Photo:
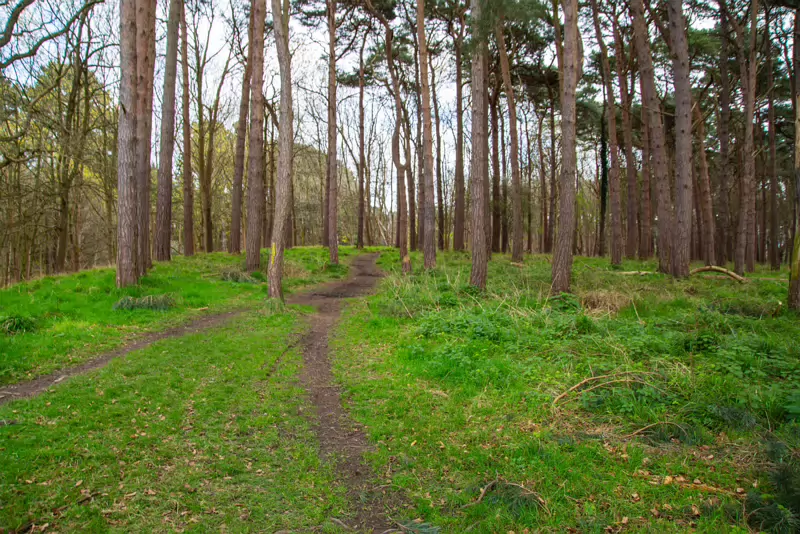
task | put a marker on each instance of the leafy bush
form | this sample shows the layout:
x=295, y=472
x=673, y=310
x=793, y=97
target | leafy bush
x=17, y=324
x=149, y=302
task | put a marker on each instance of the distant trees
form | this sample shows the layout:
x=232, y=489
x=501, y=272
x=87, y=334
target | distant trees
x=679, y=133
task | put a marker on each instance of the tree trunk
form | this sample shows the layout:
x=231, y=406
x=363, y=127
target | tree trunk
x=744, y=256
x=479, y=165
x=601, y=232
x=460, y=204
x=333, y=172
x=188, y=180
x=573, y=65
x=632, y=243
x=611, y=114
x=145, y=64
x=706, y=211
x=235, y=243
x=496, y=210
x=285, y=150
x=163, y=234
x=774, y=237
x=255, y=164
x=656, y=135
x=126, y=150
x=543, y=178
x=428, y=207
x=683, y=140
x=516, y=179
x=723, y=132
x=551, y=222
x=646, y=221
x=442, y=230
x=362, y=161
x=794, y=277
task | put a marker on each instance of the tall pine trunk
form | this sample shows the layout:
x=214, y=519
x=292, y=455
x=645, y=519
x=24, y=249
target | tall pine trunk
x=460, y=201
x=188, y=180
x=744, y=256
x=706, y=211
x=572, y=67
x=361, y=155
x=683, y=140
x=723, y=133
x=126, y=148
x=480, y=157
x=774, y=237
x=333, y=176
x=163, y=233
x=611, y=117
x=145, y=65
x=283, y=191
x=658, y=150
x=516, y=179
x=235, y=244
x=440, y=207
x=428, y=206
x=496, y=207
x=632, y=242
x=255, y=164
x=794, y=277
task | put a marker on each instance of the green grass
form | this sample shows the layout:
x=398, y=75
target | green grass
x=457, y=390
x=200, y=433
x=59, y=321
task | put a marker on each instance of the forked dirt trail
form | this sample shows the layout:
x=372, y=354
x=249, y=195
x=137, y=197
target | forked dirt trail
x=341, y=440
x=31, y=388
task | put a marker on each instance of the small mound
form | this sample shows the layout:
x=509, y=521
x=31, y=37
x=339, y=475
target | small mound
x=603, y=301
x=234, y=275
x=16, y=324
x=150, y=302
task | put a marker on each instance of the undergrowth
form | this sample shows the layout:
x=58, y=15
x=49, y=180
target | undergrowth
x=645, y=372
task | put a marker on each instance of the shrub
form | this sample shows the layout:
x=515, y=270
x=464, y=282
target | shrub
x=150, y=302
x=17, y=324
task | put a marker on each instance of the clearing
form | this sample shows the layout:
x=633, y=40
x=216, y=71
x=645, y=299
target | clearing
x=402, y=403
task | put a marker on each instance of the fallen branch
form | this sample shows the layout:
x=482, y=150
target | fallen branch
x=717, y=269
x=648, y=427
x=635, y=273
x=586, y=381
x=485, y=489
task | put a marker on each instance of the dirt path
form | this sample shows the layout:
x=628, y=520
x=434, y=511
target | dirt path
x=341, y=440
x=31, y=388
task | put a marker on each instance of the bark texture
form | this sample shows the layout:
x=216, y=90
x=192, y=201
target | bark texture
x=255, y=167
x=285, y=148
x=163, y=234
x=126, y=148
x=480, y=157
x=573, y=65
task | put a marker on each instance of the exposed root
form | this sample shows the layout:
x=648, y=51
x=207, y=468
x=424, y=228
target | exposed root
x=717, y=269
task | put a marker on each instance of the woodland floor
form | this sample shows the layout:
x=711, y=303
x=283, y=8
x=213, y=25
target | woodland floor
x=399, y=404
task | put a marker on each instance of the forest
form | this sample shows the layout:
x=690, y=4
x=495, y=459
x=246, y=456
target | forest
x=399, y=265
